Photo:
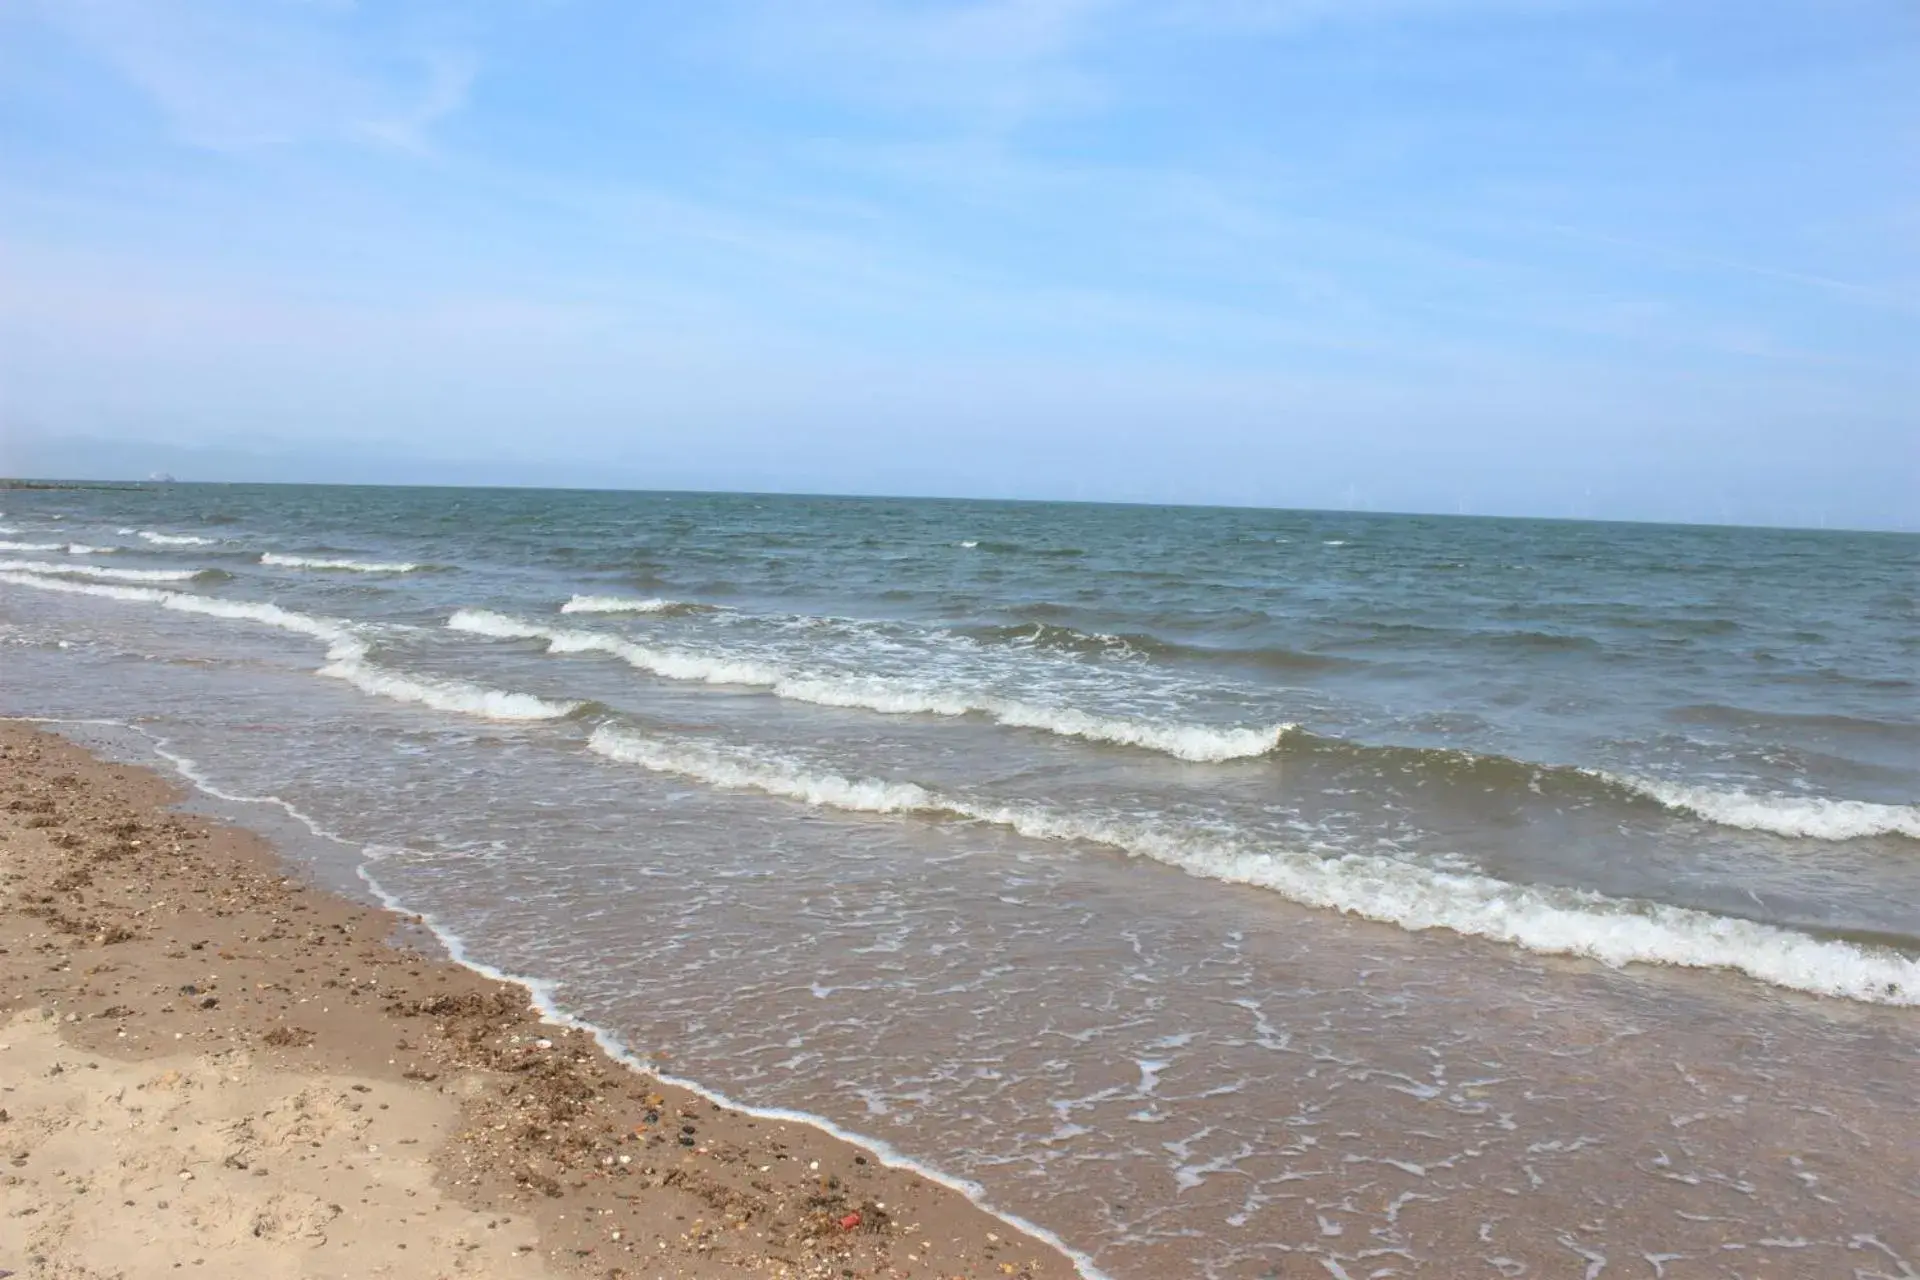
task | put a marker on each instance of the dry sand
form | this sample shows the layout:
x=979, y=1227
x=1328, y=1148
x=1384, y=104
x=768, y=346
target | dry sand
x=209, y=1066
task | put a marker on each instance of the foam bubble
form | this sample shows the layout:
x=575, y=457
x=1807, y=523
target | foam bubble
x=29, y=546
x=888, y=696
x=96, y=571
x=348, y=566
x=82, y=549
x=1547, y=920
x=173, y=539
x=1801, y=817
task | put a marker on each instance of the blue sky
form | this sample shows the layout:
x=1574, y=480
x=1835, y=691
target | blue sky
x=1636, y=258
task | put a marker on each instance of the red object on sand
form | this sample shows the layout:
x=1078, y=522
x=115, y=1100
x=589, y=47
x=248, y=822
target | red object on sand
x=851, y=1221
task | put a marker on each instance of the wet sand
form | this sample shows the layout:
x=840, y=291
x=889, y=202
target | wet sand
x=208, y=1065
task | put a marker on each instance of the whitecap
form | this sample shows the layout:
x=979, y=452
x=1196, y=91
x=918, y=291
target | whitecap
x=1550, y=921
x=348, y=566
x=29, y=546
x=619, y=604
x=173, y=539
x=886, y=695
x=96, y=571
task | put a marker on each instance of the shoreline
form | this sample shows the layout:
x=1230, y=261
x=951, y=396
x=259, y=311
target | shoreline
x=139, y=939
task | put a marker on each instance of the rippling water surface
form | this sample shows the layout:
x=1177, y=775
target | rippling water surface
x=1227, y=891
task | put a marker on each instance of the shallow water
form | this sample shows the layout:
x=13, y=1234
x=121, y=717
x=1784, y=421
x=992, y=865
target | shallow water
x=1208, y=886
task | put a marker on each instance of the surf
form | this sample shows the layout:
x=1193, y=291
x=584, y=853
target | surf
x=1546, y=921
x=887, y=695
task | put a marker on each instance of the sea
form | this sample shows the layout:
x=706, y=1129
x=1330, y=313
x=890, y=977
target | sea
x=1218, y=892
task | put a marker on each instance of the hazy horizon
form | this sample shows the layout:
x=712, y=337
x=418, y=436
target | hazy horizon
x=480, y=480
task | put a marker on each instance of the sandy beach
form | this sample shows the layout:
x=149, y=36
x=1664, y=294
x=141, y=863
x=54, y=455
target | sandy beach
x=208, y=1065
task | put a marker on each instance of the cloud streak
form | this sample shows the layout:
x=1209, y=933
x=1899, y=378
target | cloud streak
x=240, y=75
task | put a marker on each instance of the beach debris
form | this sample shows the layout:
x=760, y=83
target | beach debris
x=849, y=1222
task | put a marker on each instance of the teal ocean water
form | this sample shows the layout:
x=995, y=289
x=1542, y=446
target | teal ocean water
x=1078, y=851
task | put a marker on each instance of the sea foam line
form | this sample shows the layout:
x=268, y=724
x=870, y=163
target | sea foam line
x=31, y=546
x=346, y=651
x=348, y=566
x=1549, y=921
x=1802, y=817
x=96, y=571
x=540, y=994
x=1199, y=743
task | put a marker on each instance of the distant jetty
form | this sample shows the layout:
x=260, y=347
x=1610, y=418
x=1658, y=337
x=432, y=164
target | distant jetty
x=16, y=485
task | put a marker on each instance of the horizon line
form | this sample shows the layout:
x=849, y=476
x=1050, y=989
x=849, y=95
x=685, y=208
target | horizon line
x=50, y=483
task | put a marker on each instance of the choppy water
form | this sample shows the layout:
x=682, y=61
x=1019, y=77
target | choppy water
x=1220, y=889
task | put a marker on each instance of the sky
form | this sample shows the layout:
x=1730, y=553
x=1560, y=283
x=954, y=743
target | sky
x=1642, y=259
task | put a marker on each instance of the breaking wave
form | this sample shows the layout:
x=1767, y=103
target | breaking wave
x=175, y=539
x=888, y=696
x=108, y=575
x=1800, y=817
x=460, y=697
x=626, y=604
x=1057, y=638
x=1550, y=921
x=347, y=651
x=346, y=566
x=31, y=546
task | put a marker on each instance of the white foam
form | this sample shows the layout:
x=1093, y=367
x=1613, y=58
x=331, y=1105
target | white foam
x=346, y=651
x=618, y=604
x=457, y=696
x=174, y=539
x=1550, y=921
x=82, y=549
x=348, y=566
x=96, y=571
x=888, y=696
x=1803, y=817
x=29, y=546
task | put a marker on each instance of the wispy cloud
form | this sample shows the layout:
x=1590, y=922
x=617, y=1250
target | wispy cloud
x=992, y=61
x=233, y=75
x=449, y=81
x=1281, y=16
